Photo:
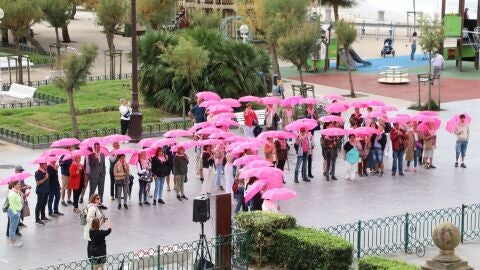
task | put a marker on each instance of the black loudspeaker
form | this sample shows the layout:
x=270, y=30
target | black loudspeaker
x=201, y=209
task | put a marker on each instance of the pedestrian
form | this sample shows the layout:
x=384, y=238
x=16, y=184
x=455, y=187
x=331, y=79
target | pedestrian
x=42, y=190
x=96, y=160
x=311, y=146
x=462, y=130
x=14, y=211
x=288, y=116
x=428, y=136
x=413, y=46
x=144, y=171
x=198, y=157
x=93, y=211
x=301, y=147
x=351, y=156
x=122, y=181
x=228, y=171
x=363, y=147
x=240, y=196
x=86, y=175
x=219, y=159
x=98, y=246
x=269, y=151
x=281, y=148
x=207, y=163
x=465, y=14
x=271, y=117
x=329, y=150
x=76, y=182
x=160, y=169
x=399, y=138
x=370, y=161
x=278, y=89
x=170, y=156
x=125, y=114
x=256, y=202
x=356, y=119
x=65, y=172
x=113, y=158
x=197, y=113
x=437, y=64
x=378, y=144
x=311, y=113
x=25, y=209
x=411, y=148
x=180, y=170
x=251, y=121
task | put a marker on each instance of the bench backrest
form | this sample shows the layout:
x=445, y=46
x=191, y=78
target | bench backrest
x=21, y=91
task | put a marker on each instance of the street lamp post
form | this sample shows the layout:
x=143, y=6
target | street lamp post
x=135, y=129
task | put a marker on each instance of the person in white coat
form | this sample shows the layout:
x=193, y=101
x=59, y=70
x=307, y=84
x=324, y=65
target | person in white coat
x=125, y=113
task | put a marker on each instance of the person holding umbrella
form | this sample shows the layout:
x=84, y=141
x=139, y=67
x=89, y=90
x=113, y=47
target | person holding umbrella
x=462, y=130
x=76, y=182
x=329, y=150
x=302, y=145
x=96, y=161
x=398, y=137
x=122, y=180
x=311, y=113
x=113, y=160
x=288, y=116
x=160, y=170
x=207, y=163
x=41, y=178
x=250, y=121
x=180, y=170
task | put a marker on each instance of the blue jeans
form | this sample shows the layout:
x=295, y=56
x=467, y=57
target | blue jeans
x=461, y=148
x=218, y=177
x=142, y=192
x=14, y=220
x=301, y=160
x=158, y=190
x=377, y=155
x=397, y=161
x=240, y=200
x=412, y=53
x=53, y=198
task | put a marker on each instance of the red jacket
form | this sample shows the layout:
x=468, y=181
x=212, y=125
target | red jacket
x=250, y=117
x=398, y=138
x=75, y=177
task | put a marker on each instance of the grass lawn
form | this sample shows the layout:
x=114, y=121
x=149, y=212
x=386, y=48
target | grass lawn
x=53, y=119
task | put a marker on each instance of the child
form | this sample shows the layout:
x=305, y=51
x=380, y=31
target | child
x=180, y=169
x=240, y=196
x=229, y=173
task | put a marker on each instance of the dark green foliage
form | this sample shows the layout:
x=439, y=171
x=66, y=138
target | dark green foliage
x=305, y=248
x=261, y=226
x=381, y=263
x=431, y=106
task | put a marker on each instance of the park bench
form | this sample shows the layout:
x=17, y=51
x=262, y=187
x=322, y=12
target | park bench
x=260, y=116
x=20, y=91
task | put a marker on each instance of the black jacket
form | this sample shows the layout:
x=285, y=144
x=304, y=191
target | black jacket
x=98, y=247
x=160, y=168
x=382, y=141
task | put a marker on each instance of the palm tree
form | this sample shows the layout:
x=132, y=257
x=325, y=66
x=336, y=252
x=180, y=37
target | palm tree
x=338, y=3
x=346, y=35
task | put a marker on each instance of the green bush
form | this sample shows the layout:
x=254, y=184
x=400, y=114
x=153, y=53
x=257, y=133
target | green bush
x=261, y=226
x=306, y=248
x=434, y=106
x=381, y=263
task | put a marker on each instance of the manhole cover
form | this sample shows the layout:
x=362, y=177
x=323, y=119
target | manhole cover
x=7, y=166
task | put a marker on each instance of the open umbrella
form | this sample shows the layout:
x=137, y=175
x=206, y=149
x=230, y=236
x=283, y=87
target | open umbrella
x=208, y=95
x=225, y=123
x=198, y=126
x=208, y=131
x=225, y=115
x=92, y=141
x=163, y=142
x=42, y=159
x=267, y=172
x=374, y=102
x=55, y=152
x=15, y=177
x=249, y=99
x=333, y=97
x=277, y=134
x=177, y=133
x=364, y=131
x=208, y=103
x=184, y=145
x=279, y=194
x=309, y=100
x=333, y=132
x=149, y=152
x=147, y=142
x=209, y=142
x=424, y=118
x=116, y=138
x=231, y=102
x=219, y=109
x=270, y=101
x=337, y=107
x=65, y=142
x=254, y=189
x=332, y=118
x=244, y=146
x=375, y=115
x=221, y=135
x=424, y=125
x=385, y=109
x=236, y=138
x=246, y=159
x=258, y=164
x=359, y=104
x=124, y=151
x=453, y=122
x=291, y=101
x=307, y=124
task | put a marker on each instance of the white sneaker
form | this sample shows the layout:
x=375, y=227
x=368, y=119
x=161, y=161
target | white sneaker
x=17, y=243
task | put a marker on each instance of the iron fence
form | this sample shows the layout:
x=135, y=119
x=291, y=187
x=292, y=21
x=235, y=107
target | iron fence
x=226, y=252
x=409, y=233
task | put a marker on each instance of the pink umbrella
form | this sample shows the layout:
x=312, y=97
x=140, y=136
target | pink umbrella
x=65, y=142
x=359, y=104
x=453, y=122
x=332, y=118
x=236, y=138
x=364, y=131
x=307, y=124
x=163, y=142
x=208, y=131
x=385, y=109
x=254, y=189
x=80, y=153
x=209, y=103
x=124, y=151
x=291, y=101
x=184, y=145
x=177, y=133
x=279, y=194
x=424, y=125
x=198, y=126
x=258, y=164
x=270, y=101
x=267, y=172
x=55, y=152
x=221, y=135
x=276, y=135
x=15, y=177
x=91, y=141
x=244, y=146
x=333, y=97
x=309, y=100
x=333, y=132
x=249, y=99
x=423, y=118
x=225, y=115
x=225, y=123
x=231, y=102
x=375, y=115
x=336, y=107
x=149, y=152
x=246, y=159
x=428, y=113
x=42, y=159
x=219, y=109
x=375, y=103
x=147, y=142
x=209, y=142
x=116, y=138
x=208, y=95
x=398, y=119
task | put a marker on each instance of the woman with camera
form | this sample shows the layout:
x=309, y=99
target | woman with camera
x=98, y=246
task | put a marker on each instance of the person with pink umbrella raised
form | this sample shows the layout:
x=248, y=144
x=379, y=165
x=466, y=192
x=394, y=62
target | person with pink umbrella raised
x=96, y=161
x=329, y=145
x=113, y=158
x=14, y=211
x=271, y=117
x=281, y=149
x=356, y=119
x=413, y=146
x=398, y=137
x=462, y=130
x=144, y=171
x=160, y=170
x=378, y=143
x=207, y=165
x=302, y=146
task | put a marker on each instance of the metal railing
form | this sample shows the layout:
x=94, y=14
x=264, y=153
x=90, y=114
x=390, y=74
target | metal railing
x=409, y=233
x=227, y=252
x=39, y=99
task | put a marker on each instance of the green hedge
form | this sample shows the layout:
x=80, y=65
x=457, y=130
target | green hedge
x=261, y=226
x=381, y=263
x=306, y=248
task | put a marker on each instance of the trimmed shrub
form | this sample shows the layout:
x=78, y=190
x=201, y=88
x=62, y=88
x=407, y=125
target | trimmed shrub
x=261, y=226
x=306, y=248
x=382, y=263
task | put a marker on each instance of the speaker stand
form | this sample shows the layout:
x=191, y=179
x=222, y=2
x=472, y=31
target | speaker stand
x=203, y=258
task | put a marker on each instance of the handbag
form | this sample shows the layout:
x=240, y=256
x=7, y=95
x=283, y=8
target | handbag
x=257, y=130
x=145, y=177
x=6, y=205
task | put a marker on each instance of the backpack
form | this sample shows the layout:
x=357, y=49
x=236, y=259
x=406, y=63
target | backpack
x=83, y=216
x=6, y=205
x=235, y=187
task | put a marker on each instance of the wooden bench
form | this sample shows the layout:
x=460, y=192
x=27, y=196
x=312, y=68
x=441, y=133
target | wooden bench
x=20, y=91
x=260, y=116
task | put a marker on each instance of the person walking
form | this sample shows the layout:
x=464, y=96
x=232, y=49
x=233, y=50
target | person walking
x=98, y=246
x=93, y=211
x=76, y=181
x=96, y=161
x=398, y=137
x=301, y=147
x=14, y=211
x=125, y=114
x=437, y=64
x=207, y=163
x=197, y=113
x=250, y=121
x=351, y=156
x=42, y=190
x=180, y=170
x=122, y=180
x=113, y=158
x=411, y=148
x=378, y=144
x=65, y=172
x=462, y=130
x=160, y=169
x=219, y=159
x=413, y=46
x=144, y=171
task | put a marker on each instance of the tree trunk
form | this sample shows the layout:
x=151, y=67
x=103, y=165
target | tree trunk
x=73, y=11
x=58, y=47
x=111, y=48
x=430, y=79
x=19, y=61
x=335, y=12
x=275, y=65
x=4, y=36
x=73, y=113
x=302, y=90
x=34, y=42
x=352, y=91
x=65, y=34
